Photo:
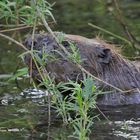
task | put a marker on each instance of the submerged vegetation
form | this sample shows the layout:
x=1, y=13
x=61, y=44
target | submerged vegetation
x=75, y=108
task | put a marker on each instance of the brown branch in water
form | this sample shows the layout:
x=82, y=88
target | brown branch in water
x=102, y=113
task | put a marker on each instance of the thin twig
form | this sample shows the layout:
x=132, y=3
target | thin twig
x=11, y=25
x=124, y=25
x=110, y=33
x=21, y=27
x=15, y=29
x=102, y=113
x=13, y=40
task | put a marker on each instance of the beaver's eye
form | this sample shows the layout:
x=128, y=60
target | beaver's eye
x=65, y=43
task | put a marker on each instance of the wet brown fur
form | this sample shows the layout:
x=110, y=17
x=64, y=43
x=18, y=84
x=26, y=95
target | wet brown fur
x=98, y=58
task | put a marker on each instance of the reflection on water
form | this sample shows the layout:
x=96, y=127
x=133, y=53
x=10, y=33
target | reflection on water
x=27, y=116
x=24, y=114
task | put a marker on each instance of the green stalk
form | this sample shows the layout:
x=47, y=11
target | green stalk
x=110, y=33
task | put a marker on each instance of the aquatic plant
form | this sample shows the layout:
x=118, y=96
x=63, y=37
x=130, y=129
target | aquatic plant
x=24, y=11
x=83, y=95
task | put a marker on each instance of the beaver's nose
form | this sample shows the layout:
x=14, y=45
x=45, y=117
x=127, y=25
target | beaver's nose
x=28, y=43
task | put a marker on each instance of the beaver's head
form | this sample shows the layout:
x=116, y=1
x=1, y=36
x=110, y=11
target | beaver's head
x=93, y=53
x=97, y=57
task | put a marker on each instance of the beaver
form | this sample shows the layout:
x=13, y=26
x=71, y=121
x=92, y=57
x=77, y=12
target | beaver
x=97, y=57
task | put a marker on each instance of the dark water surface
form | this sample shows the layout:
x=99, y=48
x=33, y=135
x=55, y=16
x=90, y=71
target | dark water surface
x=24, y=115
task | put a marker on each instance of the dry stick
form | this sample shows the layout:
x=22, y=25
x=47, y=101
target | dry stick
x=13, y=40
x=31, y=59
x=98, y=79
x=15, y=29
x=17, y=22
x=124, y=25
x=20, y=28
x=101, y=112
x=11, y=25
x=110, y=33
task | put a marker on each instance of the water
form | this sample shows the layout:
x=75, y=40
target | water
x=25, y=116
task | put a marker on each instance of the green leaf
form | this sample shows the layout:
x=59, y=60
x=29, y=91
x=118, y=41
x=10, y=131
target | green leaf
x=89, y=88
x=19, y=73
x=5, y=6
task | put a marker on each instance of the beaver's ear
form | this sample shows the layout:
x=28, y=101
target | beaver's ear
x=104, y=55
